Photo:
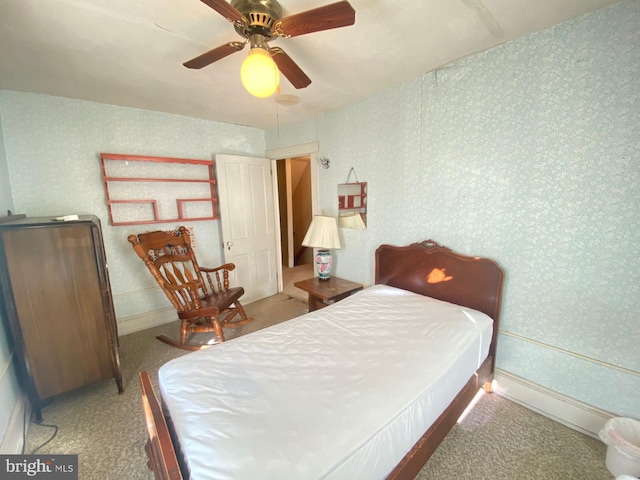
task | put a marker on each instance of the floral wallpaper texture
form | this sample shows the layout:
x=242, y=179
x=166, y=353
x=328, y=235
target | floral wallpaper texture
x=529, y=154
x=53, y=150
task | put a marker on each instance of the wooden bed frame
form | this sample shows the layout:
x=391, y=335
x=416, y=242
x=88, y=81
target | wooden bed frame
x=425, y=268
x=435, y=271
x=159, y=447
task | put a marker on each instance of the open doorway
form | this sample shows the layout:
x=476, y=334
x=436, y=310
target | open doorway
x=308, y=151
x=296, y=212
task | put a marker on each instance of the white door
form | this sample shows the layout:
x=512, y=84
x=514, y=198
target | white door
x=248, y=224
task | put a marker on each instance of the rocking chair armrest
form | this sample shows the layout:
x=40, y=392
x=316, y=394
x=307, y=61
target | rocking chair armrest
x=227, y=266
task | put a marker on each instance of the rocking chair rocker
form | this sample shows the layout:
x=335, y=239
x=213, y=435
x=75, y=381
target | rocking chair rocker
x=200, y=295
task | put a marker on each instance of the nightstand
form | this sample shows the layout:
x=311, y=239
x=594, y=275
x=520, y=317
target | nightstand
x=325, y=292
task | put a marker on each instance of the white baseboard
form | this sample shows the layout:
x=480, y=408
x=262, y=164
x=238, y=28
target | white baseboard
x=13, y=439
x=135, y=323
x=562, y=409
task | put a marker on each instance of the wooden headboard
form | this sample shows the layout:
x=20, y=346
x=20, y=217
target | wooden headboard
x=435, y=271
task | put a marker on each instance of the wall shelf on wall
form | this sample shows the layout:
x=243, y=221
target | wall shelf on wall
x=146, y=190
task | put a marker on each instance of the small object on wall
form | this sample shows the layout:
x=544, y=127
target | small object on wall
x=352, y=203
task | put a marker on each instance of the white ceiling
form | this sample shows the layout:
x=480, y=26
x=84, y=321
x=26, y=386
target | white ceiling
x=130, y=52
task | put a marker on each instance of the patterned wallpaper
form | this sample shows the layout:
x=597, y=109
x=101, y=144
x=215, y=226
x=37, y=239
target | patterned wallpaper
x=530, y=154
x=6, y=200
x=53, y=150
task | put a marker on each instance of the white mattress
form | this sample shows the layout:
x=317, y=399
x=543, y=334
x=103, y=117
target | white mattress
x=339, y=393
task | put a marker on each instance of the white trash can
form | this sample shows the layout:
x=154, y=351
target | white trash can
x=622, y=437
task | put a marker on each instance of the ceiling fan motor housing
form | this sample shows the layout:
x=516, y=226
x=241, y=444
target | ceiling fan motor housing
x=260, y=15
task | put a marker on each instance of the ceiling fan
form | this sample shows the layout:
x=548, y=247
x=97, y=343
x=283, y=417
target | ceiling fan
x=260, y=21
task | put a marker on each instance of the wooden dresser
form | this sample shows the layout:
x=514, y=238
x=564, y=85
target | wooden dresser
x=57, y=300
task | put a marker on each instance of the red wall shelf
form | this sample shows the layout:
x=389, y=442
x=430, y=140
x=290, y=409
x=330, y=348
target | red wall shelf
x=191, y=170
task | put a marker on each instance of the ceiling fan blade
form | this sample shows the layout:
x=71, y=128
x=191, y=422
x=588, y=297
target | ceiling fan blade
x=214, y=55
x=289, y=68
x=224, y=9
x=335, y=15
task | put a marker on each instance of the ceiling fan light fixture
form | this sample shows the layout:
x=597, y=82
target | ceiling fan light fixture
x=259, y=73
x=260, y=21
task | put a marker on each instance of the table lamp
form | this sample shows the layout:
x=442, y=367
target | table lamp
x=323, y=234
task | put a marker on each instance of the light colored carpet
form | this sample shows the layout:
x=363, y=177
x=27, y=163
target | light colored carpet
x=295, y=274
x=501, y=440
x=107, y=430
x=496, y=440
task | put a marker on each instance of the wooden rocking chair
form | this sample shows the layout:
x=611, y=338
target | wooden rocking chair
x=200, y=295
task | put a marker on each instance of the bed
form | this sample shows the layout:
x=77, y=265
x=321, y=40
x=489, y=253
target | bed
x=365, y=388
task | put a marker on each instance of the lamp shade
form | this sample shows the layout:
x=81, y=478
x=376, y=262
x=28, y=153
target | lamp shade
x=322, y=233
x=259, y=73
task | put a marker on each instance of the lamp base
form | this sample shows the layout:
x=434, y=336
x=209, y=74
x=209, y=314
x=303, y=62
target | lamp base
x=324, y=263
